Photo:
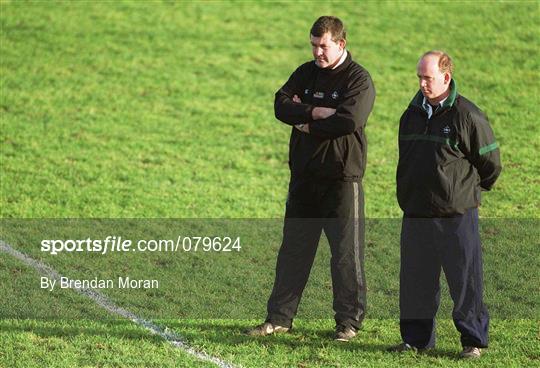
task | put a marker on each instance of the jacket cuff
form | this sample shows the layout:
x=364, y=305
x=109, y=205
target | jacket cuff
x=309, y=116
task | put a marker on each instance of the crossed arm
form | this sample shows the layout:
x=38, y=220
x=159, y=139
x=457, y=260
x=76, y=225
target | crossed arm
x=317, y=113
x=325, y=122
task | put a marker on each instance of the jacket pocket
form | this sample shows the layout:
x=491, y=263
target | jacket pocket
x=412, y=194
x=328, y=161
x=442, y=190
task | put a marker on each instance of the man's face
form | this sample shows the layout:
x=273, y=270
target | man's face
x=325, y=51
x=433, y=83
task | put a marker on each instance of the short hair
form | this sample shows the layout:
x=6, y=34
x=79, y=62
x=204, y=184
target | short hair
x=445, y=61
x=331, y=24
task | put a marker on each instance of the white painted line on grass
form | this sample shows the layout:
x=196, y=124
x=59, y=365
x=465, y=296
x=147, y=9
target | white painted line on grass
x=104, y=302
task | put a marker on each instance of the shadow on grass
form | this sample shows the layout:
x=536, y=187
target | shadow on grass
x=61, y=328
x=232, y=333
x=235, y=333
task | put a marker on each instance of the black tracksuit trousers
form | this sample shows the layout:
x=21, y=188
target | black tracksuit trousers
x=427, y=244
x=337, y=207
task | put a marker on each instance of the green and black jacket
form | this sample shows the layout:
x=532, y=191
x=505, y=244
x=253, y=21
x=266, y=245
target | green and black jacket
x=445, y=161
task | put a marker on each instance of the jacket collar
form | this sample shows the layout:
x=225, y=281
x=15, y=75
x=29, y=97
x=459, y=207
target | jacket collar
x=449, y=102
x=340, y=67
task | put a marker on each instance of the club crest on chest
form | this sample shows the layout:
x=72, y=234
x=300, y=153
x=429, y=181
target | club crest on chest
x=446, y=130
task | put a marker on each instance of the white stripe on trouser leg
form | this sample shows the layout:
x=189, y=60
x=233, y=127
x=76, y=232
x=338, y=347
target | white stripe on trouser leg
x=104, y=302
x=356, y=242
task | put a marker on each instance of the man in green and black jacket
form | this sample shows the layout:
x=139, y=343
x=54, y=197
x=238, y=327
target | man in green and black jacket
x=447, y=156
x=326, y=102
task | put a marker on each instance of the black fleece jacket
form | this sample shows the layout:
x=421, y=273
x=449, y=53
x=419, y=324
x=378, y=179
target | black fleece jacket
x=445, y=161
x=336, y=147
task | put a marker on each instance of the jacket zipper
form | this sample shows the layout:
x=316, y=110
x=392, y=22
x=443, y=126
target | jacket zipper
x=440, y=112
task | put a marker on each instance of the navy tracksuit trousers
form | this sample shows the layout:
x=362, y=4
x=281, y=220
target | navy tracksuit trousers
x=427, y=244
x=337, y=207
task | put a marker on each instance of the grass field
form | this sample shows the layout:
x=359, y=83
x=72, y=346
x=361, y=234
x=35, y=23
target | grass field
x=164, y=110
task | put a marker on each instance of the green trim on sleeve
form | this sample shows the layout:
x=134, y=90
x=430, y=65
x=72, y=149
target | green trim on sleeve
x=490, y=147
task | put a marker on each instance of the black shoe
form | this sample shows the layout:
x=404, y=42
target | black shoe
x=404, y=347
x=344, y=333
x=470, y=352
x=266, y=329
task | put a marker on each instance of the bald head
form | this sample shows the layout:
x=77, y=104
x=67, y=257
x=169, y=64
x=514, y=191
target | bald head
x=434, y=72
x=444, y=60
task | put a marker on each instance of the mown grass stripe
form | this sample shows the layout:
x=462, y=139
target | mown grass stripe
x=104, y=302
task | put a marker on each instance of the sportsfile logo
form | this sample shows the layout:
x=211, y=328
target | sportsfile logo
x=119, y=244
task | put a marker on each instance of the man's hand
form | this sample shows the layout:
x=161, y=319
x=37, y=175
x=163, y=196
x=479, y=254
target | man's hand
x=318, y=112
x=303, y=128
x=322, y=112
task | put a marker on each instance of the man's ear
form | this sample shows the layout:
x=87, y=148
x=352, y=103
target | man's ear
x=447, y=78
x=342, y=44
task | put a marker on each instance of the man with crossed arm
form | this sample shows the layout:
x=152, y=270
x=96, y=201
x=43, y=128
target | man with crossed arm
x=327, y=101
